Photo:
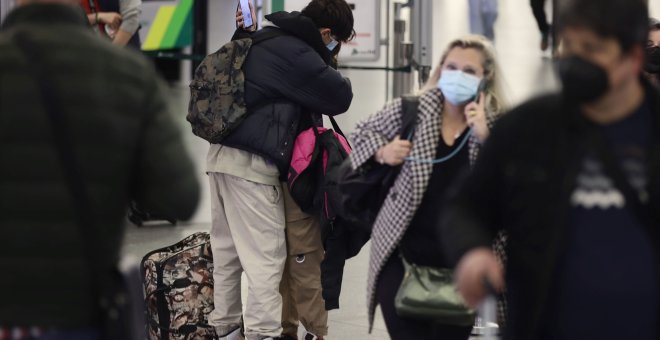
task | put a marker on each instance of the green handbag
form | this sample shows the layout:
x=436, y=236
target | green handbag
x=429, y=293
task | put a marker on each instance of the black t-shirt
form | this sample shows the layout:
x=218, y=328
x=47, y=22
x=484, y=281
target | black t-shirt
x=605, y=285
x=421, y=243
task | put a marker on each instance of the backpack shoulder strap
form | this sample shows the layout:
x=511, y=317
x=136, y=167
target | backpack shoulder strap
x=409, y=113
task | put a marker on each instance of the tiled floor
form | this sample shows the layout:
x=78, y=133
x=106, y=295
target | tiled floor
x=527, y=71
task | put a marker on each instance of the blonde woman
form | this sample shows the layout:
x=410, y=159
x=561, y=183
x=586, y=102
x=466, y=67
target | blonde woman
x=460, y=102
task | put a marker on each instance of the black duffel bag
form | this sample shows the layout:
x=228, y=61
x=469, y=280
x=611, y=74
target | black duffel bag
x=358, y=195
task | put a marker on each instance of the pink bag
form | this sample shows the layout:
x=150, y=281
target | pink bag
x=314, y=150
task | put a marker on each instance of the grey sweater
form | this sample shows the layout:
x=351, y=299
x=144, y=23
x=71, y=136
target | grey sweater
x=130, y=13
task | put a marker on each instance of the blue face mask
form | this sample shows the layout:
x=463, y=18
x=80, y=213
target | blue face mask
x=332, y=44
x=458, y=87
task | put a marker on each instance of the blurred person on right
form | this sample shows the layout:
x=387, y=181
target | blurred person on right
x=574, y=180
x=652, y=67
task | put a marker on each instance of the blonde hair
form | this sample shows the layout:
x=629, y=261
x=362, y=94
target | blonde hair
x=496, y=101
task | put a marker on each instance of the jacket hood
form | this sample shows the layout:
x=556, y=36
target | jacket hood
x=301, y=27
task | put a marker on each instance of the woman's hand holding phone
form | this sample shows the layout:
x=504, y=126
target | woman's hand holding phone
x=475, y=114
x=240, y=20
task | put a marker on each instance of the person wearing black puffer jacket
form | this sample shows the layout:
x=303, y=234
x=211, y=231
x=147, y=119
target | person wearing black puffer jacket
x=288, y=82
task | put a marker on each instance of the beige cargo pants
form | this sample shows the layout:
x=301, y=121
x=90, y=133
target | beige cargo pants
x=301, y=283
x=247, y=235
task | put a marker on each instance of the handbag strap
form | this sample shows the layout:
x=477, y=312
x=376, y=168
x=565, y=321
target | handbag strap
x=409, y=112
x=59, y=126
x=335, y=126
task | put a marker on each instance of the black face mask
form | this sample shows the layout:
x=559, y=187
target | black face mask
x=583, y=81
x=652, y=60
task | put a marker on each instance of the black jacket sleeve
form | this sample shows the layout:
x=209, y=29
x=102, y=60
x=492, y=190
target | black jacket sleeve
x=315, y=85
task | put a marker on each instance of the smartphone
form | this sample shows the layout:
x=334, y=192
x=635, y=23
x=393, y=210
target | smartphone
x=247, y=14
x=481, y=89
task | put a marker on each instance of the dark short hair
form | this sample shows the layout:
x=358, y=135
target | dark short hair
x=333, y=14
x=624, y=20
x=654, y=24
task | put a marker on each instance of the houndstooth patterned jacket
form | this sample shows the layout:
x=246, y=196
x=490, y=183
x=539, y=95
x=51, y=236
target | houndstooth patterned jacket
x=406, y=195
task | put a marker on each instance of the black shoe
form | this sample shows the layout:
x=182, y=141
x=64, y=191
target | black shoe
x=546, y=38
x=545, y=41
x=310, y=336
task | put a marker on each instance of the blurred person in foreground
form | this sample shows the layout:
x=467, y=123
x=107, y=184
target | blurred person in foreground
x=573, y=178
x=126, y=144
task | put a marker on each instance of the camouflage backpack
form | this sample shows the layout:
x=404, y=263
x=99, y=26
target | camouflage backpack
x=217, y=92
